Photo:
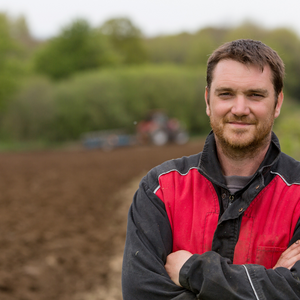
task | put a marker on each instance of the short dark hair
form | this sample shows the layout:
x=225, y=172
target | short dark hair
x=247, y=51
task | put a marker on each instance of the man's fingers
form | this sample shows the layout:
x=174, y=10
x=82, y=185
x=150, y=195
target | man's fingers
x=293, y=246
x=292, y=251
x=293, y=260
x=289, y=257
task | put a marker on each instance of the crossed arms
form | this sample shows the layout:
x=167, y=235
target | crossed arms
x=176, y=260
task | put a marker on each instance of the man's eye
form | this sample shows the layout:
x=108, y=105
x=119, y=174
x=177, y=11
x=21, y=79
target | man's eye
x=225, y=95
x=256, y=96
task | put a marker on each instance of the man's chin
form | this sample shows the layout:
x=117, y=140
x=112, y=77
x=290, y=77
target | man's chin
x=239, y=141
x=240, y=145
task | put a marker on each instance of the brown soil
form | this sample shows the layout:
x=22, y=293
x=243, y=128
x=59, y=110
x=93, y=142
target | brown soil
x=63, y=219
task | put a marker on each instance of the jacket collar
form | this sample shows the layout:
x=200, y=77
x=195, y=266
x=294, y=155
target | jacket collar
x=209, y=164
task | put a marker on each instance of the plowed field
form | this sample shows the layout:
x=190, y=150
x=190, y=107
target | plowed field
x=63, y=219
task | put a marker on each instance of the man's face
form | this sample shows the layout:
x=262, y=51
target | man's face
x=241, y=106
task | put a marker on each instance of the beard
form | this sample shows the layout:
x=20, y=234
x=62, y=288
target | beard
x=240, y=143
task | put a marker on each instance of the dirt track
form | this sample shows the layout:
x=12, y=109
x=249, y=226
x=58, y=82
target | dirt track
x=63, y=219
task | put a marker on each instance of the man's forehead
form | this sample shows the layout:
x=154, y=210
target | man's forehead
x=248, y=65
x=234, y=71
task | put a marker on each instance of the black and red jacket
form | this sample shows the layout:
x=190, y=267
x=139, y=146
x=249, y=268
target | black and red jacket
x=179, y=206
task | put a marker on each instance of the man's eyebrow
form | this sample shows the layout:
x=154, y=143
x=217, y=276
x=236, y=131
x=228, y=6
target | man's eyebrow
x=223, y=89
x=255, y=91
x=259, y=91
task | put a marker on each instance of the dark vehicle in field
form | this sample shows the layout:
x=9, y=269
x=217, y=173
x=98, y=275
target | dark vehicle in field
x=157, y=129
x=108, y=139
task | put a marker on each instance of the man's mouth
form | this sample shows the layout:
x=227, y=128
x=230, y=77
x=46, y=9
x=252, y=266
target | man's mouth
x=240, y=123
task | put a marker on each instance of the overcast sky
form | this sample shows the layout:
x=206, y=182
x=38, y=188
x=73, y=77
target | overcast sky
x=45, y=18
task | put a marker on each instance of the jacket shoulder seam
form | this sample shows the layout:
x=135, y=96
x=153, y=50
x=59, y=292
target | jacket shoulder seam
x=171, y=171
x=281, y=176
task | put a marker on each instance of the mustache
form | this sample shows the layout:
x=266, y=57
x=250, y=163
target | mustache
x=242, y=119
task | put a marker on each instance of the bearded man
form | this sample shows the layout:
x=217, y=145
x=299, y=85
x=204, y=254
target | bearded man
x=224, y=223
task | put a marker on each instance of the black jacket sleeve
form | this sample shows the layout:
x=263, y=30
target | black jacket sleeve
x=148, y=243
x=211, y=277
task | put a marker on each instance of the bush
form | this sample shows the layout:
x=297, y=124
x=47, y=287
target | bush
x=107, y=99
x=30, y=113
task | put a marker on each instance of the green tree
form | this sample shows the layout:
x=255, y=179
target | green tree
x=169, y=49
x=247, y=30
x=21, y=34
x=11, y=67
x=287, y=44
x=126, y=39
x=203, y=44
x=77, y=48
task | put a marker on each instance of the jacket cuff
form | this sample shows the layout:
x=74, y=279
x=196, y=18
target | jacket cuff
x=185, y=271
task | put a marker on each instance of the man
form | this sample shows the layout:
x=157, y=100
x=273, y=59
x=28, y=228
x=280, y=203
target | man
x=225, y=223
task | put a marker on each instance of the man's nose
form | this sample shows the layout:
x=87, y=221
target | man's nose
x=240, y=106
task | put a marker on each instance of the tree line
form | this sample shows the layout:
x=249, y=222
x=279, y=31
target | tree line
x=91, y=78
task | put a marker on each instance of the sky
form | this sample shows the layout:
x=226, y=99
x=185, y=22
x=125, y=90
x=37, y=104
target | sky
x=154, y=17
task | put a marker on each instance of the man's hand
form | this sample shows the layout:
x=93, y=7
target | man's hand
x=289, y=257
x=174, y=263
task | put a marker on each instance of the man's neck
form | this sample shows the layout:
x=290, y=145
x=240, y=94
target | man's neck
x=245, y=165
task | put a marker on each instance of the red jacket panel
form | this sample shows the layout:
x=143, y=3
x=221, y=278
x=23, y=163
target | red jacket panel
x=194, y=217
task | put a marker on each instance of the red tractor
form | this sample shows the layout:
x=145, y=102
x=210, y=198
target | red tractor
x=158, y=129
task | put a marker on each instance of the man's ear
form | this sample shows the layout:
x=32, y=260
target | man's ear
x=206, y=96
x=279, y=104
